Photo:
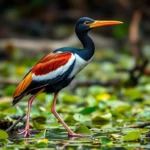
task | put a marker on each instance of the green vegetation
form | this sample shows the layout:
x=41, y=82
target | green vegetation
x=104, y=112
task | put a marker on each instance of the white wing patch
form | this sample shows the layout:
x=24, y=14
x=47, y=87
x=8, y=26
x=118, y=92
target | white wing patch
x=56, y=72
x=79, y=65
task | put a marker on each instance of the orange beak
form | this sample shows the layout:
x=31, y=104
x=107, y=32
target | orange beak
x=98, y=23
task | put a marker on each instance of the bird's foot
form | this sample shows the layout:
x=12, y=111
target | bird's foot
x=72, y=134
x=26, y=132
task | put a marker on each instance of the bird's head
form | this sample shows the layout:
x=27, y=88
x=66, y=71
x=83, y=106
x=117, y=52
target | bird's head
x=84, y=24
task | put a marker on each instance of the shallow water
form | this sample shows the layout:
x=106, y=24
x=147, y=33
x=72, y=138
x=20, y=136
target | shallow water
x=57, y=138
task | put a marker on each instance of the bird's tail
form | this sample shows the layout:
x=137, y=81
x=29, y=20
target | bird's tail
x=17, y=99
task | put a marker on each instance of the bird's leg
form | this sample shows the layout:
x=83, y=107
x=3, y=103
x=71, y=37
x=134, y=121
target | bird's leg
x=70, y=132
x=26, y=131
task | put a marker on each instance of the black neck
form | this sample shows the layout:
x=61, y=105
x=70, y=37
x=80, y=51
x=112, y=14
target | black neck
x=88, y=46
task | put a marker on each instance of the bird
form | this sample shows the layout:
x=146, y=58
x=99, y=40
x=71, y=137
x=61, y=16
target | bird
x=57, y=69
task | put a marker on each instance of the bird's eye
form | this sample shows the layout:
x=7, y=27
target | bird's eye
x=87, y=23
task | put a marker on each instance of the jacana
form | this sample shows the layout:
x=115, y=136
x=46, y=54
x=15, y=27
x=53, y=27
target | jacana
x=57, y=69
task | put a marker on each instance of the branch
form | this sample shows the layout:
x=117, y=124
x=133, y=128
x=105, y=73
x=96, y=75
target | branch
x=140, y=125
x=13, y=125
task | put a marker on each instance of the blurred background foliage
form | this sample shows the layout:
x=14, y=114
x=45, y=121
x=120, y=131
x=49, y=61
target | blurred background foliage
x=113, y=91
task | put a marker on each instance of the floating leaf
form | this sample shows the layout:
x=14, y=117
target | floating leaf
x=40, y=119
x=133, y=93
x=37, y=125
x=95, y=90
x=102, y=105
x=118, y=106
x=88, y=110
x=115, y=136
x=41, y=135
x=68, y=98
x=3, y=135
x=70, y=119
x=132, y=135
x=80, y=117
x=82, y=129
x=122, y=108
x=102, y=119
x=43, y=143
x=105, y=140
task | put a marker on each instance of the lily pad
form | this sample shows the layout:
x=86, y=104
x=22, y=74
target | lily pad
x=82, y=129
x=68, y=98
x=105, y=140
x=43, y=143
x=80, y=117
x=88, y=110
x=70, y=119
x=3, y=135
x=133, y=93
x=37, y=125
x=40, y=119
x=41, y=135
x=132, y=135
x=102, y=119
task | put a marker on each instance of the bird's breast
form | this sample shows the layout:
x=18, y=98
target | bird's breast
x=80, y=63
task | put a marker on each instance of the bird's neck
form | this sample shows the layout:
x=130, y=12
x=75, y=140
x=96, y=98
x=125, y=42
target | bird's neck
x=88, y=46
